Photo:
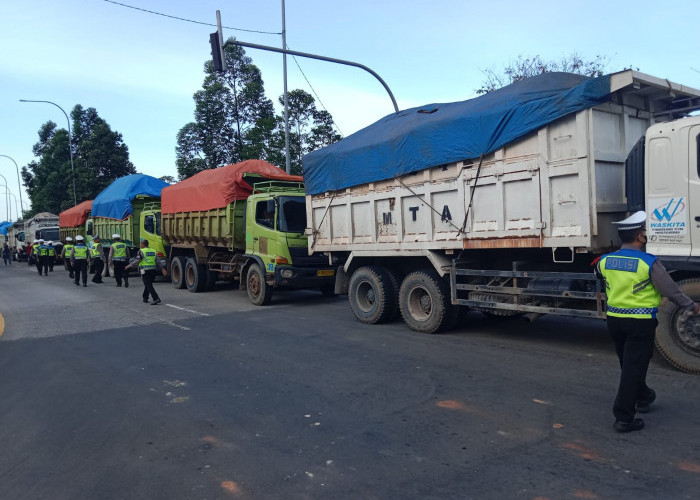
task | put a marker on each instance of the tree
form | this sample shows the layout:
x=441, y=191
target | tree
x=309, y=128
x=232, y=116
x=234, y=121
x=525, y=67
x=168, y=178
x=99, y=157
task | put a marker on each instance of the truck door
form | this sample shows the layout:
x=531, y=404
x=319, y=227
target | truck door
x=694, y=188
x=264, y=235
x=150, y=228
x=668, y=184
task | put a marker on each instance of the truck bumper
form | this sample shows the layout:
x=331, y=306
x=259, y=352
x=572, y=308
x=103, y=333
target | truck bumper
x=291, y=277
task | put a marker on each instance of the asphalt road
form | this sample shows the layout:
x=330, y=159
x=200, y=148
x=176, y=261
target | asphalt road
x=209, y=397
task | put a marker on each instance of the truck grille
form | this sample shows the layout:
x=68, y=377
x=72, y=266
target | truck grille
x=301, y=258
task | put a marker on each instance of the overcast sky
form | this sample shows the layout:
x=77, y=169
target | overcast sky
x=139, y=70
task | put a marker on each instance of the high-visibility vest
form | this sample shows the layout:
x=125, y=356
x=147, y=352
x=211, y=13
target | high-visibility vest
x=149, y=259
x=95, y=250
x=43, y=250
x=118, y=250
x=631, y=294
x=80, y=251
x=67, y=248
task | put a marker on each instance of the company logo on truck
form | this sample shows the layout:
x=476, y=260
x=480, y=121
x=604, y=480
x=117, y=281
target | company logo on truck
x=668, y=221
x=665, y=215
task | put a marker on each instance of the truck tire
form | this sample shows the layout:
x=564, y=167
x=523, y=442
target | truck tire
x=195, y=276
x=177, y=272
x=424, y=300
x=372, y=295
x=259, y=292
x=678, y=333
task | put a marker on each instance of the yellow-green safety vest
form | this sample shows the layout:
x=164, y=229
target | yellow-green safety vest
x=119, y=250
x=68, y=247
x=43, y=251
x=94, y=250
x=631, y=294
x=149, y=259
x=80, y=251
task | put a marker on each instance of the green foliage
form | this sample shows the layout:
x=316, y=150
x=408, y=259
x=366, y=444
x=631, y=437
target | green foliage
x=235, y=121
x=99, y=157
x=525, y=67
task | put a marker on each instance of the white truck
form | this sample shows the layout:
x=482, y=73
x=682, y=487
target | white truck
x=43, y=226
x=516, y=231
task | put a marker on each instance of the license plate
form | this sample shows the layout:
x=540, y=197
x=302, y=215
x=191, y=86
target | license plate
x=325, y=272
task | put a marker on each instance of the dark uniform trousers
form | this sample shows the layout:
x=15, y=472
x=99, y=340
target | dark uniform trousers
x=634, y=344
x=69, y=267
x=99, y=267
x=148, y=277
x=120, y=273
x=80, y=269
x=40, y=263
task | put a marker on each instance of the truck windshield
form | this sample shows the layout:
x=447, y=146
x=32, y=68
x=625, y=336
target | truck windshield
x=50, y=234
x=292, y=214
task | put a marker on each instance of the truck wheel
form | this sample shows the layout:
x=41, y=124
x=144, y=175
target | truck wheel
x=371, y=295
x=177, y=272
x=678, y=333
x=425, y=304
x=259, y=292
x=195, y=277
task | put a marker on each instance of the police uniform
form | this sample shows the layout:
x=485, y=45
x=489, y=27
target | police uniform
x=635, y=281
x=78, y=257
x=118, y=256
x=51, y=257
x=42, y=254
x=149, y=264
x=65, y=253
x=97, y=256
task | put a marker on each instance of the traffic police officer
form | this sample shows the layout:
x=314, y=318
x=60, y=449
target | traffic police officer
x=97, y=256
x=635, y=281
x=51, y=255
x=42, y=254
x=65, y=254
x=118, y=258
x=78, y=257
x=148, y=262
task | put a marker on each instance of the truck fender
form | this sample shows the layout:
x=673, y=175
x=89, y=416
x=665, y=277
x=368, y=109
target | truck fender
x=250, y=259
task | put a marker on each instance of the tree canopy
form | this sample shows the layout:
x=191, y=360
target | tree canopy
x=99, y=157
x=235, y=121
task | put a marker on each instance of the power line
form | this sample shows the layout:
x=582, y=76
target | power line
x=190, y=20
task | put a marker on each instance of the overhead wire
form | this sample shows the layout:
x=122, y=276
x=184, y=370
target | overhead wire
x=235, y=29
x=190, y=20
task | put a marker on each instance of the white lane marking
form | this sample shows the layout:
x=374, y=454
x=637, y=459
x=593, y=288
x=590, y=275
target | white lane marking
x=188, y=310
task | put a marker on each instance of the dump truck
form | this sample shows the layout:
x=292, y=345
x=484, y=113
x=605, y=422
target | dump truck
x=130, y=207
x=44, y=226
x=241, y=223
x=501, y=204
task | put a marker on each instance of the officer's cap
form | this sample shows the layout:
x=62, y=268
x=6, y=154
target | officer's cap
x=79, y=238
x=115, y=236
x=35, y=241
x=49, y=242
x=637, y=220
x=40, y=240
x=68, y=238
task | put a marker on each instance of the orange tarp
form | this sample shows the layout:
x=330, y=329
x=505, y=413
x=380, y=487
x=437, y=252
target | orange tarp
x=218, y=187
x=76, y=216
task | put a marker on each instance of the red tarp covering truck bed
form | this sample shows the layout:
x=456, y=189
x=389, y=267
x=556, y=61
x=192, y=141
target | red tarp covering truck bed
x=218, y=187
x=76, y=216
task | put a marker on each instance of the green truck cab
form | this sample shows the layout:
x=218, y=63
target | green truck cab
x=275, y=223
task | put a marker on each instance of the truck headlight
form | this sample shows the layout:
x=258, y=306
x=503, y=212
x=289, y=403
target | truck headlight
x=287, y=273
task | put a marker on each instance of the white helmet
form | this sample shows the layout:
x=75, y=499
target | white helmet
x=79, y=238
x=68, y=238
x=49, y=243
x=40, y=240
x=35, y=242
x=115, y=236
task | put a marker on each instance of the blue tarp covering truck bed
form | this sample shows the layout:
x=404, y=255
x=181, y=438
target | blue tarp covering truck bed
x=114, y=202
x=436, y=134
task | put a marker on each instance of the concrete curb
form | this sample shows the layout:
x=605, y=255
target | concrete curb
x=2, y=324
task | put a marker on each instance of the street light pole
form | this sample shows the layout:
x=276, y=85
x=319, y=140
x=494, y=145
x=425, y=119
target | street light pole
x=286, y=95
x=70, y=143
x=8, y=210
x=19, y=186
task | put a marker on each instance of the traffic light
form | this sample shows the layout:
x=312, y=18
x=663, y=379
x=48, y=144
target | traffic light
x=216, y=53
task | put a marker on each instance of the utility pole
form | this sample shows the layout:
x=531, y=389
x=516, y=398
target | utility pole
x=286, y=99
